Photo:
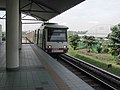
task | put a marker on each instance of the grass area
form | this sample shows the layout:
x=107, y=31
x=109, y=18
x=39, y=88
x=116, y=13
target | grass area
x=99, y=63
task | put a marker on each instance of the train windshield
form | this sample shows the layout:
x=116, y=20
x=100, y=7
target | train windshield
x=57, y=35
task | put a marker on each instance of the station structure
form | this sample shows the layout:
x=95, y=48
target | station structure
x=30, y=68
x=42, y=10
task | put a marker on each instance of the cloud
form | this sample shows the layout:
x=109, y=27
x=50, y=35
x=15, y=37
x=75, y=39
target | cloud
x=93, y=22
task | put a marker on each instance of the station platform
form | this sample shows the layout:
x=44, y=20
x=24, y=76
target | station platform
x=38, y=71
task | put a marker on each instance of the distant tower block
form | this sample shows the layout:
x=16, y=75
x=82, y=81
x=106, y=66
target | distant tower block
x=0, y=33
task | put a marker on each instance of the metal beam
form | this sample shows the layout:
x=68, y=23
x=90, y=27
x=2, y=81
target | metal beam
x=24, y=16
x=3, y=16
x=23, y=19
x=31, y=5
x=46, y=6
x=2, y=9
x=38, y=17
x=37, y=11
x=33, y=23
x=30, y=19
x=26, y=5
x=39, y=6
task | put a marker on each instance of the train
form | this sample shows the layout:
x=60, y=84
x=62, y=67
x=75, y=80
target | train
x=51, y=37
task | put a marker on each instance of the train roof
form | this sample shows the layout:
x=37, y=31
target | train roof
x=55, y=25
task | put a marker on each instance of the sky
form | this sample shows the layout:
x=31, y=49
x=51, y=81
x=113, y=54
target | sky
x=95, y=16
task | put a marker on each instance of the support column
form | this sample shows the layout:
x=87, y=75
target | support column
x=20, y=32
x=12, y=34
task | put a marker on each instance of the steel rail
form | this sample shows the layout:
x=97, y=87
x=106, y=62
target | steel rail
x=94, y=72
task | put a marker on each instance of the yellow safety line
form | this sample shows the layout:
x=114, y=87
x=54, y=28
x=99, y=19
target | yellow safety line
x=57, y=79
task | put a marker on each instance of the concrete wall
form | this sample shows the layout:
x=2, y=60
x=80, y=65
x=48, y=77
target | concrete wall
x=0, y=33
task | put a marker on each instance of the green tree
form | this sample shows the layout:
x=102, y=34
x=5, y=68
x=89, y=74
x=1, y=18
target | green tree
x=99, y=49
x=89, y=41
x=114, y=36
x=74, y=39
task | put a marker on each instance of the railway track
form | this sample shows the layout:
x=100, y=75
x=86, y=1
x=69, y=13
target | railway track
x=94, y=76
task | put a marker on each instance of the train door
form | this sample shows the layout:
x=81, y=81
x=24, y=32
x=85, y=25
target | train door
x=35, y=37
x=44, y=39
x=38, y=36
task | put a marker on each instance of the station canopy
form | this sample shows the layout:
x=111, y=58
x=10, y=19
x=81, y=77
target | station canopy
x=43, y=10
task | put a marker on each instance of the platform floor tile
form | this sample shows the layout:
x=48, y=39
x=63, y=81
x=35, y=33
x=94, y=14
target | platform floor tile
x=31, y=76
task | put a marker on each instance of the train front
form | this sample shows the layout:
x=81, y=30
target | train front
x=57, y=41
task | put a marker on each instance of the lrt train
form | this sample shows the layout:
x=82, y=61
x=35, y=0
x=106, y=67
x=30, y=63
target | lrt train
x=51, y=37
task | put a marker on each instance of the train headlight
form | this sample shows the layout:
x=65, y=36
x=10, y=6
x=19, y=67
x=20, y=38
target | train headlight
x=65, y=46
x=49, y=46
